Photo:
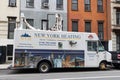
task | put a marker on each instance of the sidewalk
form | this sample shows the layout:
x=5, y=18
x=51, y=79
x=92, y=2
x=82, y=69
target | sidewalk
x=4, y=66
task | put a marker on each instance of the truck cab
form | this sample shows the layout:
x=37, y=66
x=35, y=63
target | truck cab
x=95, y=53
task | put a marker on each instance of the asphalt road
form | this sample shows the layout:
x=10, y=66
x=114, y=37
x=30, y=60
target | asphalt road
x=61, y=74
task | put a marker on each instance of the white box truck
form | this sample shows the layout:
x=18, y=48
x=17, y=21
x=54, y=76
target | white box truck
x=44, y=49
x=58, y=49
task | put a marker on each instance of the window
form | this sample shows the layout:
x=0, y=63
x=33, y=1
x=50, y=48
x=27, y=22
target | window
x=87, y=5
x=87, y=26
x=92, y=46
x=118, y=1
x=2, y=54
x=117, y=16
x=59, y=4
x=118, y=41
x=31, y=22
x=45, y=4
x=75, y=25
x=75, y=5
x=100, y=47
x=44, y=25
x=11, y=27
x=29, y=3
x=9, y=50
x=100, y=30
x=100, y=5
x=12, y=3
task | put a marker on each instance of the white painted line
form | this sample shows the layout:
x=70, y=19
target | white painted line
x=79, y=78
x=9, y=76
x=52, y=79
x=4, y=76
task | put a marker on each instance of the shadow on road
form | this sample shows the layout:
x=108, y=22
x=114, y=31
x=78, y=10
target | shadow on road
x=58, y=70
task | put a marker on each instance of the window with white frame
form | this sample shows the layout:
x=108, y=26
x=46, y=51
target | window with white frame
x=59, y=4
x=44, y=24
x=100, y=6
x=29, y=3
x=12, y=3
x=87, y=5
x=74, y=5
x=44, y=4
x=11, y=27
x=9, y=50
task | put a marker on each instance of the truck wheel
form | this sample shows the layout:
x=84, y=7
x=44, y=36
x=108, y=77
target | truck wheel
x=44, y=67
x=103, y=66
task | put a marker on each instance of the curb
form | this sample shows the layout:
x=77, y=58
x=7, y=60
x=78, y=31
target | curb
x=4, y=66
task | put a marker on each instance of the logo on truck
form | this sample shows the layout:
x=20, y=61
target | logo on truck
x=90, y=37
x=25, y=36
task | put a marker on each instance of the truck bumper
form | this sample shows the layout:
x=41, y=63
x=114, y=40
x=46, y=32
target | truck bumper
x=116, y=61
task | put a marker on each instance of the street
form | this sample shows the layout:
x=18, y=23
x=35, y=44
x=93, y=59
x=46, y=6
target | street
x=61, y=74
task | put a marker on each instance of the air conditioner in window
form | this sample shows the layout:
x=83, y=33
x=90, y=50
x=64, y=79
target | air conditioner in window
x=45, y=5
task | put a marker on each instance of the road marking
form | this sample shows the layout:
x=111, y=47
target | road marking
x=81, y=78
x=4, y=76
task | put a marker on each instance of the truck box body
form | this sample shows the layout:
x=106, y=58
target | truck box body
x=60, y=48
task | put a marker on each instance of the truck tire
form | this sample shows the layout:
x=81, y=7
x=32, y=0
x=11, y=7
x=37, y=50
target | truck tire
x=103, y=66
x=44, y=67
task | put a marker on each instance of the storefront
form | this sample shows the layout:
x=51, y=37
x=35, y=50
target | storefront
x=2, y=54
x=6, y=51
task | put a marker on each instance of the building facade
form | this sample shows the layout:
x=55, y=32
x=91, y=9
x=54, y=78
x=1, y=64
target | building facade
x=90, y=16
x=115, y=23
x=9, y=17
x=41, y=13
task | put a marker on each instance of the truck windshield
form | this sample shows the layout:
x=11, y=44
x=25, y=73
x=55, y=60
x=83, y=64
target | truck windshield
x=100, y=46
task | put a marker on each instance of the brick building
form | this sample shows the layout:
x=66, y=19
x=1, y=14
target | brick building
x=90, y=16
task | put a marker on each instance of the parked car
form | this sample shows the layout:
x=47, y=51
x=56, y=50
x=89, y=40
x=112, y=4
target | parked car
x=115, y=58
